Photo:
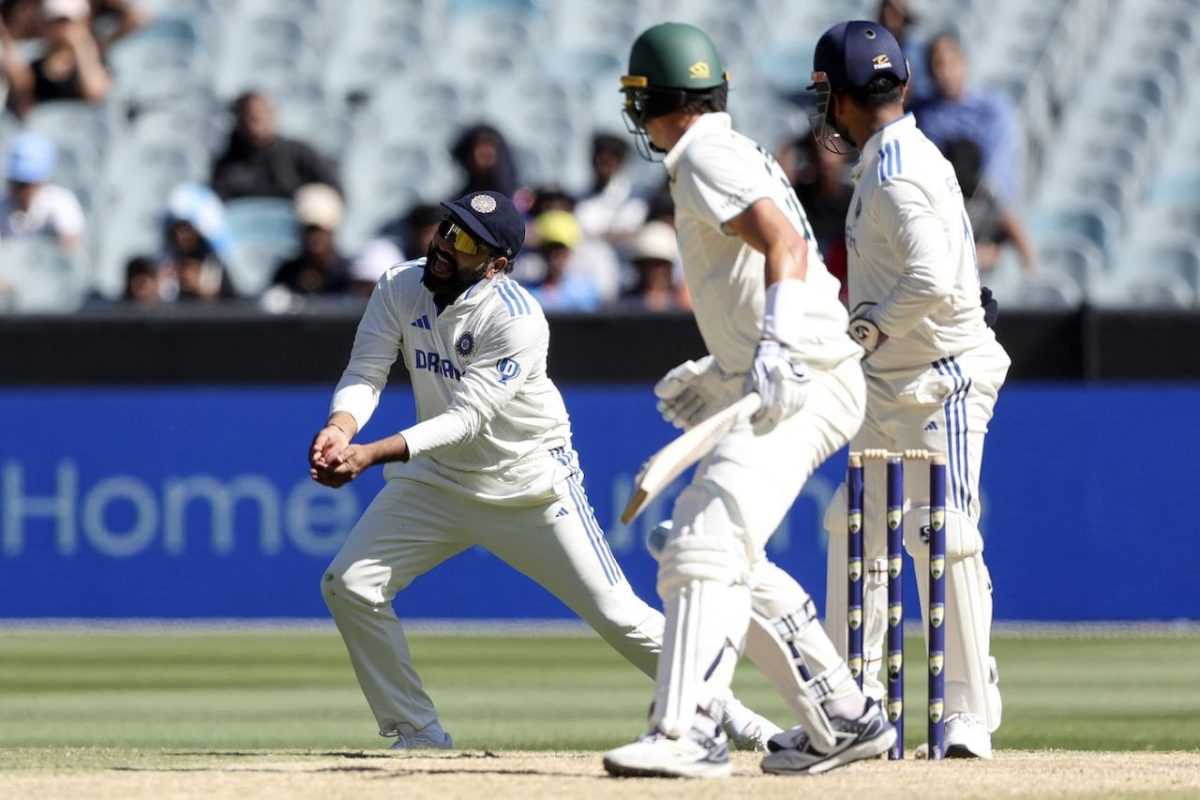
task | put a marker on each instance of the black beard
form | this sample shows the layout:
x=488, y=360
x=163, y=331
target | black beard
x=446, y=290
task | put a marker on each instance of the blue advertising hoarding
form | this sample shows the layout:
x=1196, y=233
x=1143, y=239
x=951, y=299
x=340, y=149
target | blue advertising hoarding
x=195, y=503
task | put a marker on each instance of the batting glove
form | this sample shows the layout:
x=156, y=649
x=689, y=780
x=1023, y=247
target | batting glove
x=781, y=383
x=693, y=391
x=863, y=328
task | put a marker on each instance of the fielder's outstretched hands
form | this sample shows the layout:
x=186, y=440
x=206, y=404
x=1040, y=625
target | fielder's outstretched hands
x=694, y=391
x=781, y=383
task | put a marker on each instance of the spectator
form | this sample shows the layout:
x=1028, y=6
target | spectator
x=34, y=206
x=484, y=156
x=111, y=19
x=400, y=240
x=901, y=17
x=115, y=19
x=71, y=67
x=958, y=111
x=258, y=162
x=562, y=288
x=196, y=247
x=823, y=189
x=612, y=210
x=993, y=223
x=656, y=260
x=412, y=233
x=141, y=282
x=318, y=269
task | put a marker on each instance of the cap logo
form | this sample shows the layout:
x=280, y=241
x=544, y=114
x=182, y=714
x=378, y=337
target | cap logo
x=483, y=203
x=882, y=61
x=700, y=70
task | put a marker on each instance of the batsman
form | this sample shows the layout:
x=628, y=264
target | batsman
x=770, y=317
x=932, y=364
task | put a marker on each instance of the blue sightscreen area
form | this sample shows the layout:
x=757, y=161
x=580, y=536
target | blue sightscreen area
x=186, y=503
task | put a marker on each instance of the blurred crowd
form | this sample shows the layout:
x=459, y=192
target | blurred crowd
x=611, y=246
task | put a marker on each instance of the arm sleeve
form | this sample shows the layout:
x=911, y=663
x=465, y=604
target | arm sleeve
x=376, y=345
x=493, y=379
x=919, y=240
x=715, y=185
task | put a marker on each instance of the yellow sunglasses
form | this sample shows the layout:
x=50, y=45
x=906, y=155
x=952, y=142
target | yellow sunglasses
x=461, y=239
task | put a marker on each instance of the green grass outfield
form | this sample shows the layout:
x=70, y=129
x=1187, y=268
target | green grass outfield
x=263, y=688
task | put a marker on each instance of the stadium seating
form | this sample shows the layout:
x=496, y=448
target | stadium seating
x=264, y=233
x=1112, y=126
x=39, y=278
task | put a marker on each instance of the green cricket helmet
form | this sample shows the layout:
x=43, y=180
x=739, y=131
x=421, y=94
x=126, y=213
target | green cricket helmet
x=671, y=66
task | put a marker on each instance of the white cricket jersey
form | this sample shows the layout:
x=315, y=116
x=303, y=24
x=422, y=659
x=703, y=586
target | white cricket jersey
x=488, y=415
x=911, y=251
x=716, y=174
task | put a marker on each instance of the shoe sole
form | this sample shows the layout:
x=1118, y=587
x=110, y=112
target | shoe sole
x=962, y=751
x=858, y=752
x=620, y=770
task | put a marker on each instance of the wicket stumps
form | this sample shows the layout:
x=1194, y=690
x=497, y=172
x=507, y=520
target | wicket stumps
x=936, y=637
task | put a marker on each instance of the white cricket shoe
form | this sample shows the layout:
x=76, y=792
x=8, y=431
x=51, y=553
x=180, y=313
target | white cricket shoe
x=967, y=737
x=431, y=737
x=655, y=755
x=749, y=732
x=792, y=752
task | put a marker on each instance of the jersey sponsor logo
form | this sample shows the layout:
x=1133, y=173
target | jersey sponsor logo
x=562, y=512
x=508, y=369
x=430, y=361
x=422, y=322
x=465, y=345
x=700, y=70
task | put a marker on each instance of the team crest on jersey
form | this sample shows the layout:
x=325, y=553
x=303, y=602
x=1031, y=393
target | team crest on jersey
x=465, y=346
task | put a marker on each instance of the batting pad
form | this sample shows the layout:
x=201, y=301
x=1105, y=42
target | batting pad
x=971, y=679
x=777, y=647
x=874, y=610
x=706, y=601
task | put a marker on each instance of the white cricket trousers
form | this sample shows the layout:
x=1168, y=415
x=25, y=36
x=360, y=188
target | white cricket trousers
x=945, y=407
x=412, y=526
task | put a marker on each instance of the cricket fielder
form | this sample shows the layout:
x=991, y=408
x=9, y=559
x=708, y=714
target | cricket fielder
x=770, y=317
x=932, y=364
x=488, y=463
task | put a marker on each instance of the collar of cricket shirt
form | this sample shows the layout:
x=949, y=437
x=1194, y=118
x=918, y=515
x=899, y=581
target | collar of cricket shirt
x=870, y=151
x=712, y=121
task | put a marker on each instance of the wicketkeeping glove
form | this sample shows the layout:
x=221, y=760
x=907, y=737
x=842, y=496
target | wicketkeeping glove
x=781, y=383
x=693, y=391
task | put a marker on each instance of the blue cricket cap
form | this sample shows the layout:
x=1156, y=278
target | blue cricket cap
x=492, y=218
x=31, y=158
x=852, y=54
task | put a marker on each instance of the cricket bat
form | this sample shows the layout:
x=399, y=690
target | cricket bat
x=669, y=463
